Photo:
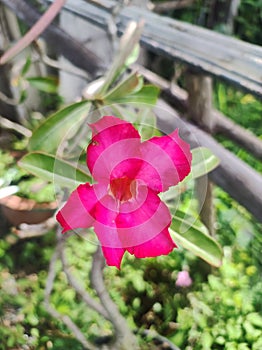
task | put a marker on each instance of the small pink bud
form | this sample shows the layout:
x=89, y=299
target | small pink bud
x=183, y=279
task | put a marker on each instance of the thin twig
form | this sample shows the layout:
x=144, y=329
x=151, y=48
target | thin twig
x=90, y=302
x=57, y=65
x=8, y=100
x=31, y=231
x=8, y=124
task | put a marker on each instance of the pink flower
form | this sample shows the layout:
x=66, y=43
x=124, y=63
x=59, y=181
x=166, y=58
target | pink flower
x=183, y=279
x=123, y=205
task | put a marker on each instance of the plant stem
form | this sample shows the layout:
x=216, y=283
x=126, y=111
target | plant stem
x=125, y=339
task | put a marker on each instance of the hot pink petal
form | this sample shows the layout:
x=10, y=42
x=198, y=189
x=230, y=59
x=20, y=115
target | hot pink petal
x=113, y=256
x=162, y=244
x=108, y=131
x=167, y=161
x=141, y=219
x=115, y=161
x=77, y=212
x=106, y=231
x=104, y=123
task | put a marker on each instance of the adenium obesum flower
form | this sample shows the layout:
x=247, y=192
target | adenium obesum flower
x=123, y=204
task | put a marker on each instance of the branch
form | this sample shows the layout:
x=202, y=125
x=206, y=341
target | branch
x=8, y=100
x=8, y=124
x=34, y=32
x=58, y=39
x=57, y=65
x=90, y=302
x=52, y=311
x=30, y=231
x=125, y=339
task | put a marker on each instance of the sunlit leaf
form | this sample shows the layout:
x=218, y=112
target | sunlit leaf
x=45, y=84
x=130, y=85
x=133, y=56
x=142, y=117
x=53, y=169
x=64, y=123
x=147, y=95
x=146, y=123
x=192, y=236
x=203, y=161
x=128, y=42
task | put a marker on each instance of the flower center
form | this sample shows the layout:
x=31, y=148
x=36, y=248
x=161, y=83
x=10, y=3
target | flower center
x=121, y=188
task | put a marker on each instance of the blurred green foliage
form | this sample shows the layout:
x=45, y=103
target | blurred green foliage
x=245, y=110
x=219, y=310
x=29, y=186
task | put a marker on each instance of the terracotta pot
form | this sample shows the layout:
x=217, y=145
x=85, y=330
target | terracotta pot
x=18, y=210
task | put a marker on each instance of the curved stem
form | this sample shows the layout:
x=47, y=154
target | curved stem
x=86, y=297
x=125, y=339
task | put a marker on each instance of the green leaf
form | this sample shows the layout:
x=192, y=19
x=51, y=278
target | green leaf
x=147, y=95
x=26, y=66
x=45, y=84
x=128, y=42
x=133, y=56
x=48, y=136
x=23, y=96
x=203, y=161
x=53, y=169
x=145, y=123
x=195, y=239
x=130, y=85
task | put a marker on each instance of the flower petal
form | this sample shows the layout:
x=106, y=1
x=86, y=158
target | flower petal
x=141, y=219
x=162, y=244
x=109, y=131
x=113, y=256
x=116, y=161
x=78, y=212
x=105, y=228
x=167, y=161
x=104, y=123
